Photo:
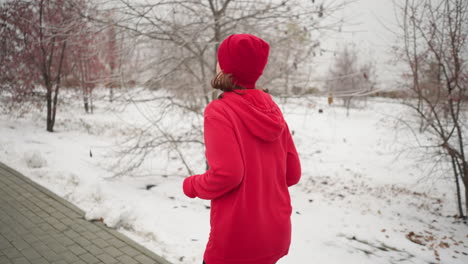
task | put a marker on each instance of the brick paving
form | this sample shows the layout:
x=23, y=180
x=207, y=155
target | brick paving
x=37, y=226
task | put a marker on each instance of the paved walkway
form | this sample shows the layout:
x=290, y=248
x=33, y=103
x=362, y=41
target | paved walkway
x=37, y=226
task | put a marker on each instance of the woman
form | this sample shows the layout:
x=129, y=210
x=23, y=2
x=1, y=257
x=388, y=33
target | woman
x=252, y=162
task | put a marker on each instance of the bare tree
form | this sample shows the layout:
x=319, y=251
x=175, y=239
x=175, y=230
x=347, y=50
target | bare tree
x=112, y=55
x=88, y=67
x=179, y=40
x=37, y=39
x=288, y=69
x=434, y=35
x=348, y=78
x=184, y=35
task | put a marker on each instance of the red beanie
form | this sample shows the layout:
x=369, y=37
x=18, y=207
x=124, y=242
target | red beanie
x=244, y=56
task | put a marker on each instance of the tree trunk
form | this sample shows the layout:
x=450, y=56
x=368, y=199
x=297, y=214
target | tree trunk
x=82, y=78
x=466, y=202
x=57, y=85
x=54, y=109
x=86, y=100
x=111, y=92
x=49, y=127
x=348, y=105
x=91, y=100
x=457, y=183
x=112, y=82
x=217, y=39
x=464, y=177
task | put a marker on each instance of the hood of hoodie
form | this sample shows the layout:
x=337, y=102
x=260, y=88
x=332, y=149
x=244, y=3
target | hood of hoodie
x=258, y=112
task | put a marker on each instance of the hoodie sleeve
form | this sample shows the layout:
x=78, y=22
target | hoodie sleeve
x=293, y=165
x=226, y=167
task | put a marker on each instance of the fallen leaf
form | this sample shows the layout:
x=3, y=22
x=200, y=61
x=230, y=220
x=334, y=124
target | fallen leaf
x=444, y=245
x=414, y=238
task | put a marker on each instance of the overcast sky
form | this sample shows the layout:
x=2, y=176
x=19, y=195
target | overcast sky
x=369, y=25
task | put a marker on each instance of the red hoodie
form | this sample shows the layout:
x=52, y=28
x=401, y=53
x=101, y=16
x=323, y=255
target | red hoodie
x=252, y=161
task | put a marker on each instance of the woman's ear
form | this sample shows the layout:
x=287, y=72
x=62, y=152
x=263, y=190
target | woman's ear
x=218, y=68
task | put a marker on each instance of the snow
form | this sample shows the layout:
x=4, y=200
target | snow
x=34, y=160
x=360, y=197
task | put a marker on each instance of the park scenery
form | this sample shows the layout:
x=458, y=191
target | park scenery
x=102, y=102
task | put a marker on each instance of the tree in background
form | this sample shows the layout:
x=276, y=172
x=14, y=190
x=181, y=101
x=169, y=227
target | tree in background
x=16, y=78
x=435, y=49
x=88, y=68
x=37, y=39
x=112, y=55
x=98, y=54
x=289, y=65
x=348, y=78
x=179, y=40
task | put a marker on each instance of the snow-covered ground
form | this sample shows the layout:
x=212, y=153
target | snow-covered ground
x=361, y=199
